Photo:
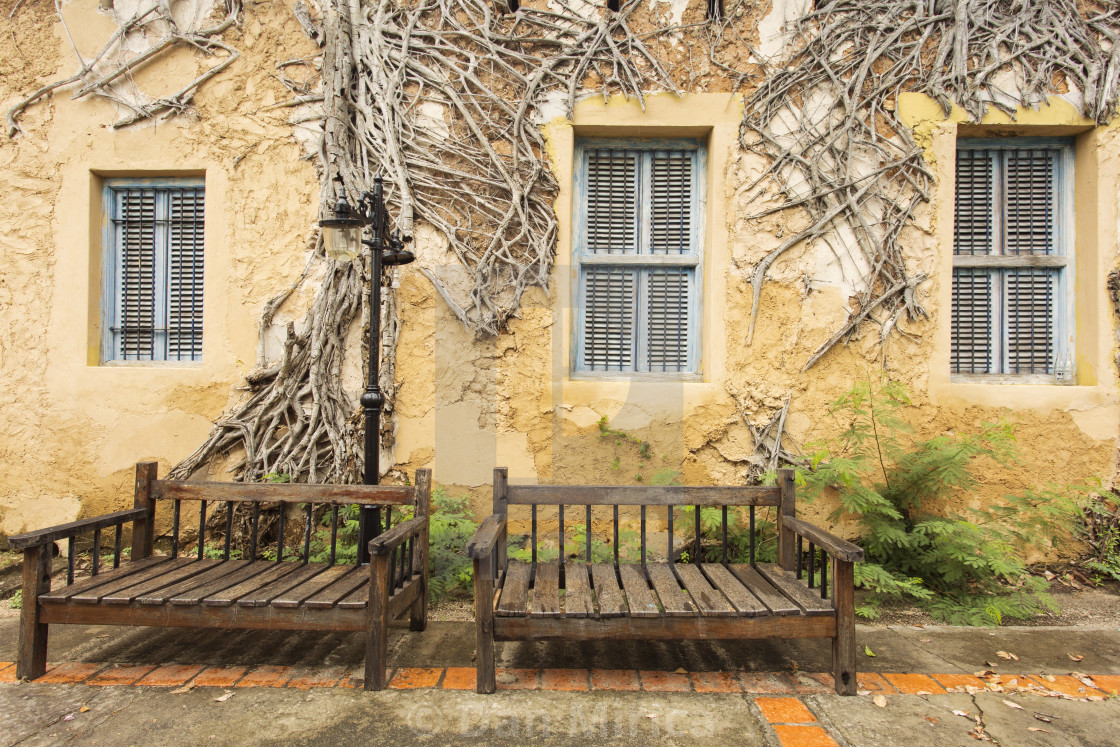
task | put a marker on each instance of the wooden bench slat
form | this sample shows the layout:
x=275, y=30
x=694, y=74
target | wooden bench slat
x=607, y=591
x=546, y=590
x=194, y=590
x=746, y=603
x=709, y=601
x=514, y=600
x=637, y=495
x=128, y=568
x=263, y=596
x=674, y=602
x=226, y=597
x=774, y=600
x=577, y=591
x=155, y=578
x=340, y=589
x=799, y=593
x=294, y=596
x=219, y=571
x=641, y=600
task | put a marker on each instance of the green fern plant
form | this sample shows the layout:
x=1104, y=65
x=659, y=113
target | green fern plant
x=963, y=568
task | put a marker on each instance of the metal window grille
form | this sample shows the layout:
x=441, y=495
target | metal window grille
x=1009, y=262
x=638, y=250
x=154, y=255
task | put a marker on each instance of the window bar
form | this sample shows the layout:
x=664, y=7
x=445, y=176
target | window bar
x=724, y=559
x=812, y=558
x=752, y=534
x=201, y=528
x=280, y=533
x=670, y=550
x=799, y=557
x=96, y=551
x=561, y=532
x=229, y=528
x=334, y=531
x=70, y=550
x=117, y=544
x=587, y=534
x=643, y=548
x=256, y=523
x=616, y=534
x=177, y=511
x=824, y=575
x=534, y=523
x=307, y=535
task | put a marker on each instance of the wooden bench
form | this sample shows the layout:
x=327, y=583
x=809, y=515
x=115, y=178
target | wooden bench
x=231, y=592
x=576, y=598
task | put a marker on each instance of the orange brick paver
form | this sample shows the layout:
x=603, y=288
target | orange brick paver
x=615, y=679
x=70, y=673
x=266, y=677
x=958, y=680
x=355, y=679
x=519, y=679
x=220, y=676
x=410, y=678
x=1109, y=683
x=569, y=680
x=170, y=675
x=816, y=682
x=804, y=736
x=8, y=673
x=766, y=683
x=785, y=711
x=912, y=684
x=460, y=678
x=873, y=683
x=665, y=682
x=120, y=675
x=1066, y=685
x=715, y=682
x=325, y=678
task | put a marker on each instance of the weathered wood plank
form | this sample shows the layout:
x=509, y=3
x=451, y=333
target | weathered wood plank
x=640, y=599
x=340, y=495
x=708, y=601
x=607, y=591
x=800, y=594
x=74, y=528
x=201, y=616
x=228, y=596
x=31, y=659
x=763, y=590
x=64, y=593
x=674, y=602
x=156, y=577
x=546, y=590
x=631, y=495
x=485, y=680
x=263, y=596
x=662, y=629
x=833, y=545
x=577, y=591
x=844, y=644
x=515, y=589
x=182, y=589
x=745, y=603
x=340, y=589
x=294, y=596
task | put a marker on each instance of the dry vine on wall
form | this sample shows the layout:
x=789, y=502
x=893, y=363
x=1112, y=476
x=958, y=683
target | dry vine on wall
x=445, y=97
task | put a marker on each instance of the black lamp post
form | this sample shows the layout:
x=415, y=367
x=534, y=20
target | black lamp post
x=342, y=238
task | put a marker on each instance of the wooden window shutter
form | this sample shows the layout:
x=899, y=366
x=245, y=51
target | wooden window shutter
x=1030, y=319
x=612, y=201
x=136, y=252
x=668, y=319
x=972, y=232
x=971, y=350
x=1030, y=202
x=671, y=202
x=610, y=305
x=185, y=264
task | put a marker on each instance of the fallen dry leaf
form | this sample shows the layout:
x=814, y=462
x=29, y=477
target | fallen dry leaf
x=991, y=663
x=224, y=698
x=1035, y=728
x=984, y=673
x=880, y=701
x=1043, y=717
x=184, y=689
x=1012, y=704
x=868, y=652
x=680, y=670
x=961, y=713
x=68, y=717
x=1075, y=657
x=1007, y=655
x=927, y=640
x=1049, y=678
x=83, y=709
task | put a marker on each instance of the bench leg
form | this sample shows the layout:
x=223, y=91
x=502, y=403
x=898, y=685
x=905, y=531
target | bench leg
x=484, y=622
x=418, y=610
x=844, y=644
x=377, y=623
x=32, y=657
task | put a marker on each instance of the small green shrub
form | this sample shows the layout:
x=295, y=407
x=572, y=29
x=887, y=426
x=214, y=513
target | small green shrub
x=1101, y=533
x=962, y=568
x=738, y=533
x=451, y=527
x=16, y=600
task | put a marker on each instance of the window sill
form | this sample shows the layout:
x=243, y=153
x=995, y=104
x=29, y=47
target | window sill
x=149, y=365
x=1007, y=379
x=637, y=377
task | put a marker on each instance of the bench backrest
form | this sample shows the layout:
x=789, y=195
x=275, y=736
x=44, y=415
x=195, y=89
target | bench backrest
x=243, y=503
x=560, y=507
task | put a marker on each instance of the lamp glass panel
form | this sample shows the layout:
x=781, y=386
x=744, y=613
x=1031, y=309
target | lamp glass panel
x=342, y=243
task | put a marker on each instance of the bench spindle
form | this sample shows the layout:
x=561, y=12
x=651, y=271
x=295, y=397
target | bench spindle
x=280, y=534
x=229, y=528
x=724, y=558
x=534, y=539
x=201, y=529
x=812, y=559
x=404, y=559
x=96, y=552
x=752, y=534
x=670, y=550
x=70, y=550
x=307, y=536
x=697, y=558
x=616, y=535
x=824, y=575
x=334, y=530
x=587, y=534
x=643, y=548
x=256, y=525
x=561, y=532
x=799, y=557
x=177, y=508
x=117, y=546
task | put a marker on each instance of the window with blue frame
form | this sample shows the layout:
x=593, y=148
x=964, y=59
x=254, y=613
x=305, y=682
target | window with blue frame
x=1012, y=264
x=152, y=292
x=638, y=237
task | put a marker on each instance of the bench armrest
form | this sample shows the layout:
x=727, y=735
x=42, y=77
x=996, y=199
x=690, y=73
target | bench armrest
x=74, y=528
x=838, y=548
x=386, y=542
x=485, y=538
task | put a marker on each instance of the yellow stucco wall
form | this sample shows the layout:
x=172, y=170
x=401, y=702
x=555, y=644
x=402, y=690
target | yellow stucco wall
x=72, y=429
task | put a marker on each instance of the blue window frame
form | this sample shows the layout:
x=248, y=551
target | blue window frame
x=1012, y=266
x=153, y=249
x=638, y=237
